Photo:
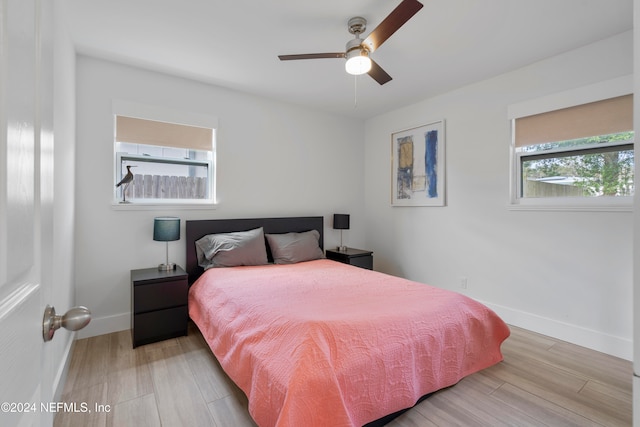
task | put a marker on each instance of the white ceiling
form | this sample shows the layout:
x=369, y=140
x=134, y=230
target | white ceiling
x=235, y=43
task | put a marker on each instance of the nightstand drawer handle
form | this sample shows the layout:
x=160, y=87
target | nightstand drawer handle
x=72, y=320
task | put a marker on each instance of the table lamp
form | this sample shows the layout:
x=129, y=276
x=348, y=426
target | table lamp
x=341, y=222
x=166, y=229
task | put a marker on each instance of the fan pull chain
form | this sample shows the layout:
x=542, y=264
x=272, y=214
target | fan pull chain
x=355, y=92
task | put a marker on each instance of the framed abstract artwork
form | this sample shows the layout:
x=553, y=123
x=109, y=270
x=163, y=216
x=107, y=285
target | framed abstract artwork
x=417, y=166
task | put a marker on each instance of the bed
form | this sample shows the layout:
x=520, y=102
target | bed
x=314, y=342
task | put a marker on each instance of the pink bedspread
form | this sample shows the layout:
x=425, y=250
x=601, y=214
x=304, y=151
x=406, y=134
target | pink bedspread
x=322, y=343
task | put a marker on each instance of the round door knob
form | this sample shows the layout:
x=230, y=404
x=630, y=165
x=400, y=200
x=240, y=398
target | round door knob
x=73, y=320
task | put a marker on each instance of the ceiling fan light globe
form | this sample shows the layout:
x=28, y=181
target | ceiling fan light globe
x=358, y=64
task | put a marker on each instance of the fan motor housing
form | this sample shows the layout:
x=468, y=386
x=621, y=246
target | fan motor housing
x=355, y=44
x=357, y=25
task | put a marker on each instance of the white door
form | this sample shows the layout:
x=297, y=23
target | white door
x=26, y=174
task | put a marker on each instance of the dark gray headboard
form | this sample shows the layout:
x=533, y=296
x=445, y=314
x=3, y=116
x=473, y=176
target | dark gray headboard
x=197, y=229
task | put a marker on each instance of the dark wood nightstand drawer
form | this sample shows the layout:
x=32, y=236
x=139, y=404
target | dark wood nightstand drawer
x=158, y=304
x=362, y=261
x=157, y=296
x=159, y=325
x=352, y=256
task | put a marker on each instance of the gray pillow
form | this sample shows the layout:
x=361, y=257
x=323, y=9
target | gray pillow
x=232, y=249
x=290, y=248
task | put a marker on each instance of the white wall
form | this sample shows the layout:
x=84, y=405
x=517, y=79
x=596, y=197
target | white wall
x=274, y=159
x=564, y=274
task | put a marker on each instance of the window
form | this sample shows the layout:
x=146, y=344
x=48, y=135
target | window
x=582, y=152
x=588, y=167
x=170, y=162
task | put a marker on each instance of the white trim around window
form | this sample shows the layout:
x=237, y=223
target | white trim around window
x=174, y=116
x=583, y=95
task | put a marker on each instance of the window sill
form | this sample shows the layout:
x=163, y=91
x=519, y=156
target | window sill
x=157, y=205
x=622, y=204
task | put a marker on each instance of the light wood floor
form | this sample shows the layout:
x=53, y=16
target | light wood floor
x=178, y=382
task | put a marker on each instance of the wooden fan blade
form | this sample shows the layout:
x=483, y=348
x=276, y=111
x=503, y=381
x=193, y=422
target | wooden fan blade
x=378, y=74
x=396, y=19
x=311, y=56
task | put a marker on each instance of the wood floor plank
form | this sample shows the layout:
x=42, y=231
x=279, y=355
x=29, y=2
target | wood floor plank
x=442, y=409
x=595, y=365
x=77, y=356
x=214, y=384
x=411, y=418
x=608, y=396
x=546, y=412
x=231, y=411
x=83, y=398
x=128, y=374
x=474, y=400
x=193, y=341
x=138, y=412
x=517, y=369
x=573, y=359
x=568, y=399
x=213, y=381
x=528, y=340
x=177, y=394
x=92, y=362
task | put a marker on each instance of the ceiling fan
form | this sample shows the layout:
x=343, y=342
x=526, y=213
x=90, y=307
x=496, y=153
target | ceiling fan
x=357, y=52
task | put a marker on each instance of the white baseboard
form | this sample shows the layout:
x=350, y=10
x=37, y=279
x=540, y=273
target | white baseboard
x=595, y=340
x=106, y=325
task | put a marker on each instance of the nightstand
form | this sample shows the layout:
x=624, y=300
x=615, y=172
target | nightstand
x=158, y=304
x=352, y=256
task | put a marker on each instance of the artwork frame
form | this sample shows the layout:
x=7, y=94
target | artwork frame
x=418, y=165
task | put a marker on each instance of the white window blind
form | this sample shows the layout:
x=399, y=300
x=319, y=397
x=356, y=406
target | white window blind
x=151, y=132
x=603, y=117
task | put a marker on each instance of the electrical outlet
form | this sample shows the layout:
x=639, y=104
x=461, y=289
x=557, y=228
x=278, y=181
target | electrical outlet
x=463, y=282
